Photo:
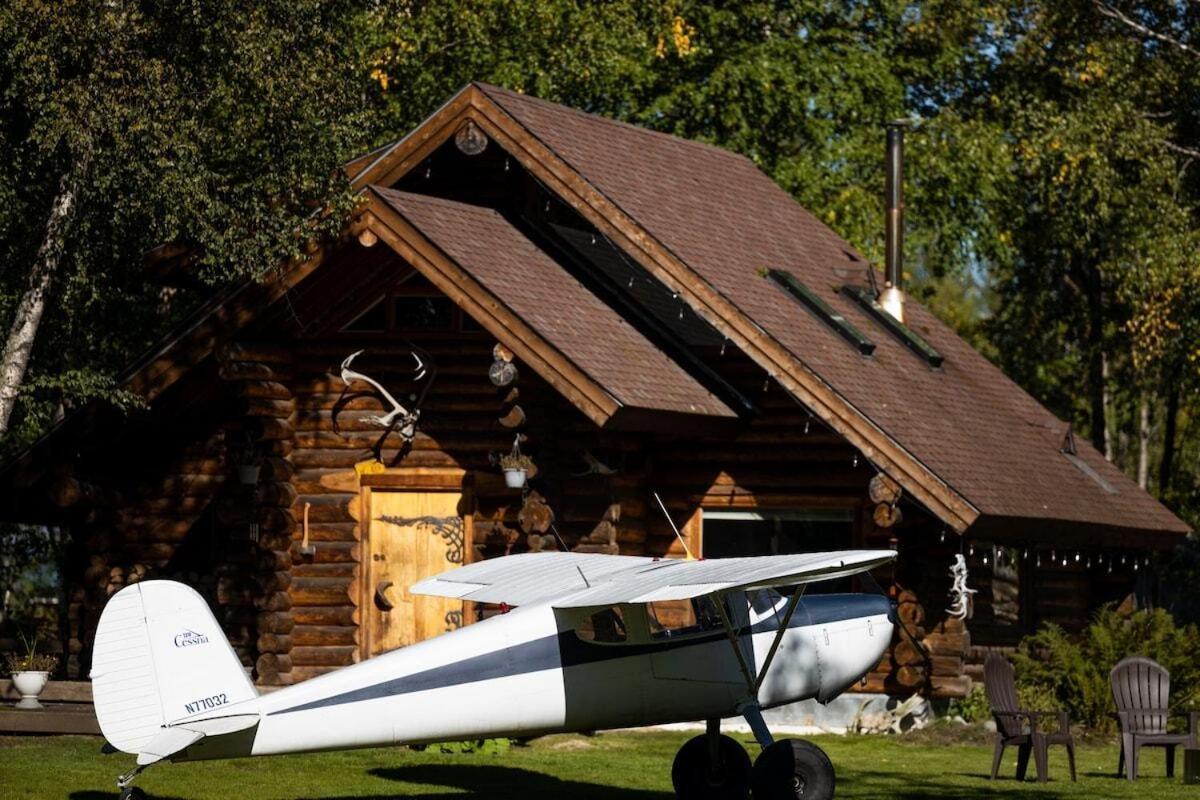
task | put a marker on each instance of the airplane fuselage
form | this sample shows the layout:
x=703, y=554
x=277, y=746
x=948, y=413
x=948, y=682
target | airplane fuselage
x=531, y=671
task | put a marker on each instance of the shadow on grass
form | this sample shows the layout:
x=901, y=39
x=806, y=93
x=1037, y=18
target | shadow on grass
x=495, y=781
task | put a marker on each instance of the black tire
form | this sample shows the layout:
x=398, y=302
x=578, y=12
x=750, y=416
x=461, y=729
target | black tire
x=791, y=769
x=132, y=793
x=695, y=778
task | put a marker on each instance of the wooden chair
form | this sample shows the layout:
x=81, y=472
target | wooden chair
x=1141, y=688
x=1017, y=727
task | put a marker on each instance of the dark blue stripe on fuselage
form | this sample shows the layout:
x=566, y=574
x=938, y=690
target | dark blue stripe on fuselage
x=566, y=650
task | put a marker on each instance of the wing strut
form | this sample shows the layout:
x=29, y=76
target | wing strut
x=753, y=681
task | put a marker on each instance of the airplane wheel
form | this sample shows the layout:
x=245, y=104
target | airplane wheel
x=791, y=769
x=696, y=778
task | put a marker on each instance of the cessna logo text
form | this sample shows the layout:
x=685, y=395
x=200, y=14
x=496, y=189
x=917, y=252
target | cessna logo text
x=188, y=638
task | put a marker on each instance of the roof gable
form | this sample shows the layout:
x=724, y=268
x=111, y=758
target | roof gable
x=982, y=438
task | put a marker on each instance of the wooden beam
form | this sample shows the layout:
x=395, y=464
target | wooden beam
x=554, y=367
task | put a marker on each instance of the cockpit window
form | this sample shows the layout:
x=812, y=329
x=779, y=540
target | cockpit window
x=606, y=626
x=682, y=617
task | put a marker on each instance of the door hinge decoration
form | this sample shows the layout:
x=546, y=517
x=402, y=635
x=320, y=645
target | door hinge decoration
x=449, y=528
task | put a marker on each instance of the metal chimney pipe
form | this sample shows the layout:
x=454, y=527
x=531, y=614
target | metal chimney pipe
x=892, y=297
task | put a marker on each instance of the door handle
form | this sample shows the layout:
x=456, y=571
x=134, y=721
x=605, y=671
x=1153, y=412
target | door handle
x=381, y=598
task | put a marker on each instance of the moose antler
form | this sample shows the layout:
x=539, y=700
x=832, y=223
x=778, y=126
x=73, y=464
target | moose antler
x=408, y=419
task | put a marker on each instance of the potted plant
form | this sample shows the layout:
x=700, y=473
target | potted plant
x=516, y=467
x=30, y=672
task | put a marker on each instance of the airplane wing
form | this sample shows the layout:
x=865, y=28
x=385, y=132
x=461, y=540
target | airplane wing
x=575, y=580
x=527, y=577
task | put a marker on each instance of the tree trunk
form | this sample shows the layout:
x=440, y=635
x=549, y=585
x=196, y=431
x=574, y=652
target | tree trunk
x=1143, y=473
x=25, y=324
x=1106, y=400
x=1166, y=466
x=1097, y=366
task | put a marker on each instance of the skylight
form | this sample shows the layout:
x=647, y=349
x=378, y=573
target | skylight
x=807, y=298
x=907, y=336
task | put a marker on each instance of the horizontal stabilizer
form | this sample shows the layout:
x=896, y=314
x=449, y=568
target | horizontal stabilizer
x=168, y=742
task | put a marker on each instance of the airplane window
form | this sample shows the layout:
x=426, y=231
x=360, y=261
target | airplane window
x=764, y=601
x=606, y=627
x=682, y=617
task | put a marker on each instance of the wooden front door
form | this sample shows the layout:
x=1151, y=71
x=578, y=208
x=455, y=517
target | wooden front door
x=411, y=535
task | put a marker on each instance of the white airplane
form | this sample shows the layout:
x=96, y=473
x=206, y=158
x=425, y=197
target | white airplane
x=580, y=647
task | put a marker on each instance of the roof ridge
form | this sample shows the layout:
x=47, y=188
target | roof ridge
x=491, y=90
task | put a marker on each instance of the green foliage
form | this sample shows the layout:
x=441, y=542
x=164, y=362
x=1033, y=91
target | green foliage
x=972, y=708
x=29, y=573
x=218, y=125
x=1050, y=176
x=1055, y=670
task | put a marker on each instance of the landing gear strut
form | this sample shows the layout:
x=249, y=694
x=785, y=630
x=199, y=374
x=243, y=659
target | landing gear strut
x=711, y=767
x=129, y=792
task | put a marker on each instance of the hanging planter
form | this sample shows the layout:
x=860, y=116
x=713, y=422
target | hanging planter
x=516, y=469
x=246, y=461
x=248, y=474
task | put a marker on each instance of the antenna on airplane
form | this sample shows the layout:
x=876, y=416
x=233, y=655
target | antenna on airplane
x=671, y=522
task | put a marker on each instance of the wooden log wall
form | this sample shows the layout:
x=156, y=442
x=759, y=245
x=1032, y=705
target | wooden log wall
x=293, y=615
x=260, y=437
x=142, y=510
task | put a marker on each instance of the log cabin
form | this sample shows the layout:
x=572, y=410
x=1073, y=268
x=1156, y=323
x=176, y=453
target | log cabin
x=630, y=316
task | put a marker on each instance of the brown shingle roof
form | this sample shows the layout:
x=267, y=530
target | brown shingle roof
x=557, y=306
x=968, y=423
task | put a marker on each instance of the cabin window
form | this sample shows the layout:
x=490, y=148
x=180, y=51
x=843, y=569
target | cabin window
x=671, y=618
x=606, y=626
x=412, y=306
x=728, y=534
x=765, y=532
x=414, y=313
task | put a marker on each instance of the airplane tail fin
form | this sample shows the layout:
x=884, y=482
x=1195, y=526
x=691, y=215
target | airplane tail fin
x=160, y=659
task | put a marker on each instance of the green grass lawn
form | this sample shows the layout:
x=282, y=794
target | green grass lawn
x=611, y=766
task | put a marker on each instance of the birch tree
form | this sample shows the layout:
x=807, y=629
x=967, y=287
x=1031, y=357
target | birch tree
x=218, y=126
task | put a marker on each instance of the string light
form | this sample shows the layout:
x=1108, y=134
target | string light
x=807, y=423
x=428, y=170
x=593, y=240
x=724, y=342
x=942, y=536
x=506, y=163
x=1077, y=558
x=854, y=461
x=1025, y=554
x=1039, y=560
x=971, y=551
x=630, y=281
